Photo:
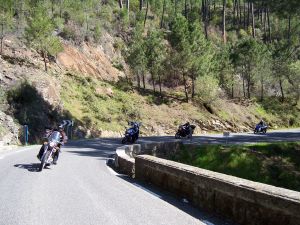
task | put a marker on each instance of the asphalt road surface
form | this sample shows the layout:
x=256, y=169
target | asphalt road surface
x=81, y=189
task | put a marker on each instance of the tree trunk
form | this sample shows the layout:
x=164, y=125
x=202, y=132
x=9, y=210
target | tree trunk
x=248, y=18
x=185, y=88
x=262, y=90
x=208, y=11
x=163, y=14
x=52, y=8
x=120, y=4
x=224, y=22
x=240, y=12
x=248, y=85
x=185, y=9
x=265, y=25
x=214, y=6
x=281, y=90
x=204, y=17
x=289, y=29
x=175, y=6
x=143, y=77
x=269, y=26
x=159, y=82
x=141, y=4
x=146, y=15
x=45, y=62
x=193, y=86
x=253, y=20
x=244, y=88
x=232, y=85
x=1, y=38
x=138, y=81
x=244, y=14
x=1, y=45
x=153, y=84
x=127, y=5
x=234, y=11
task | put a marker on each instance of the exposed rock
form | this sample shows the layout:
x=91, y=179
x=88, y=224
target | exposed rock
x=104, y=91
x=88, y=60
x=106, y=133
x=9, y=130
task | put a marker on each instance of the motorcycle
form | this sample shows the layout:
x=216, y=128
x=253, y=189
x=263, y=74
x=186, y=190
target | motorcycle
x=132, y=133
x=50, y=146
x=260, y=129
x=185, y=131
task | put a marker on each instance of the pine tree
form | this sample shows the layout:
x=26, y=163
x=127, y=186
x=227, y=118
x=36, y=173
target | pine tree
x=39, y=34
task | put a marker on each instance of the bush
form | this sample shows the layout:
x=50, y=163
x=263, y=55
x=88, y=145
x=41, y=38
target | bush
x=207, y=88
x=68, y=33
x=97, y=33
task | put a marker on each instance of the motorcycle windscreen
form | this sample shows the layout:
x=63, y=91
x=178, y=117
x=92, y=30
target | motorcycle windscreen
x=55, y=137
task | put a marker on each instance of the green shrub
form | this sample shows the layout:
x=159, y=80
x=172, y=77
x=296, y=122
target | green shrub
x=207, y=88
x=97, y=33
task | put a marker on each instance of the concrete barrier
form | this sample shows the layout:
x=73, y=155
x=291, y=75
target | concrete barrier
x=124, y=160
x=243, y=201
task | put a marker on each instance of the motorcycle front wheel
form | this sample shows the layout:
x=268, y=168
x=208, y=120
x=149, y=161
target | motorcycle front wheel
x=177, y=136
x=44, y=160
x=124, y=140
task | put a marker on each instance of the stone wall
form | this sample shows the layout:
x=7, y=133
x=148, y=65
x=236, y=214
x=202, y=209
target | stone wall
x=243, y=201
x=124, y=160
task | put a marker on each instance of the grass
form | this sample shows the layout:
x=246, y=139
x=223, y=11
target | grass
x=89, y=101
x=284, y=114
x=2, y=130
x=92, y=106
x=276, y=164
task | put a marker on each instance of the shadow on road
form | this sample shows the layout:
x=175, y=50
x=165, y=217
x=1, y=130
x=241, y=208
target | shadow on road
x=101, y=148
x=182, y=204
x=31, y=167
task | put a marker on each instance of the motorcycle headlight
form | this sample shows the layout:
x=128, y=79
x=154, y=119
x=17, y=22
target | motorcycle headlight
x=52, y=144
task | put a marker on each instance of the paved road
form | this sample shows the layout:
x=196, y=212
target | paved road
x=81, y=189
x=238, y=138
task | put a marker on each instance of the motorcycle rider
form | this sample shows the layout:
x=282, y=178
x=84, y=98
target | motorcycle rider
x=135, y=127
x=63, y=140
x=186, y=126
x=261, y=123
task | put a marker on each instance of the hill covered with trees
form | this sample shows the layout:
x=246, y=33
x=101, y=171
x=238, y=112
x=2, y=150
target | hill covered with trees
x=195, y=56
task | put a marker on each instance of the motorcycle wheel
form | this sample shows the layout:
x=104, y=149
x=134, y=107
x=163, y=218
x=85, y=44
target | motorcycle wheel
x=44, y=160
x=255, y=132
x=177, y=136
x=190, y=136
x=132, y=139
x=124, y=140
x=264, y=131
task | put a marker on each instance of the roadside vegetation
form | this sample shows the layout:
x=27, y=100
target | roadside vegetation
x=229, y=62
x=276, y=164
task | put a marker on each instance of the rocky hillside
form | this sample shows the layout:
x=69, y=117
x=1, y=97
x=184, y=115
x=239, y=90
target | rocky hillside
x=87, y=83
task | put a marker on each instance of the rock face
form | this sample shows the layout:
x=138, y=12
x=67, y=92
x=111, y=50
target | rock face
x=8, y=130
x=89, y=60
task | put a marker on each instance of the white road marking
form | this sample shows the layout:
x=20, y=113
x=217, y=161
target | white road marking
x=135, y=184
x=112, y=171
